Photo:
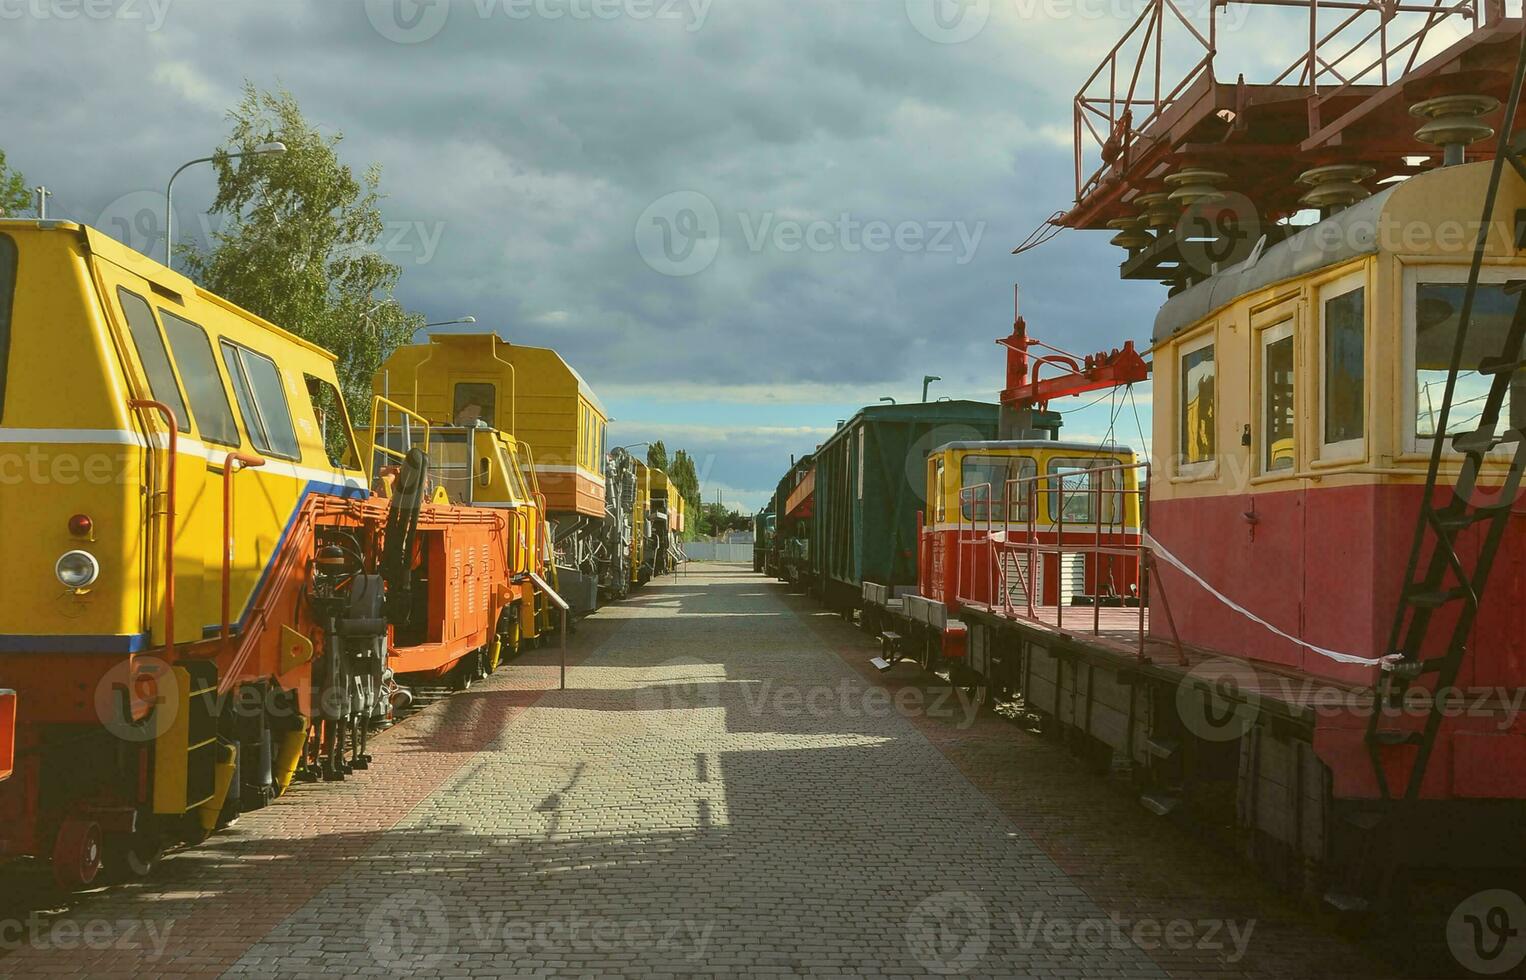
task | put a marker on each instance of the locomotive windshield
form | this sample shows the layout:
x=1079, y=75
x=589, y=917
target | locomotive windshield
x=995, y=472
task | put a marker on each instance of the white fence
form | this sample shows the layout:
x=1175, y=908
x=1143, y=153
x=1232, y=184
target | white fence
x=718, y=551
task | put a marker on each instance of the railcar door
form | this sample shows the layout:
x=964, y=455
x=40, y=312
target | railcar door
x=156, y=344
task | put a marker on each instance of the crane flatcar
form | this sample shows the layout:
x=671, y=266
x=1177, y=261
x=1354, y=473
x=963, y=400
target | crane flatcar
x=211, y=598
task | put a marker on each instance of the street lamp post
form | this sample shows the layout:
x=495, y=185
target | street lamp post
x=169, y=234
x=887, y=399
x=928, y=379
x=446, y=323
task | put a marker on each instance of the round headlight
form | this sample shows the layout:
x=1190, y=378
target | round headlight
x=77, y=569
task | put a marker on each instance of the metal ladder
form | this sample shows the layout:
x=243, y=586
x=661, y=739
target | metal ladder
x=1446, y=580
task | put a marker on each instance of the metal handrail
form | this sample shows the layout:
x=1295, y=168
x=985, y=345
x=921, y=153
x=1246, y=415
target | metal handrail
x=231, y=464
x=999, y=539
x=378, y=424
x=1318, y=66
x=559, y=603
x=173, y=425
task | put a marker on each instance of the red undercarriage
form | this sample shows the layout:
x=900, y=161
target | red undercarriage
x=1326, y=566
x=66, y=697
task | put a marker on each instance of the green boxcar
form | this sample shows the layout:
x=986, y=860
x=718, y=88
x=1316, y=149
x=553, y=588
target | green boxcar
x=871, y=480
x=762, y=535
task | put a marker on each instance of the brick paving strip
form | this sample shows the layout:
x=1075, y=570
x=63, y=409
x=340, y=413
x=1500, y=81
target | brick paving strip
x=687, y=808
x=716, y=793
x=1137, y=866
x=204, y=907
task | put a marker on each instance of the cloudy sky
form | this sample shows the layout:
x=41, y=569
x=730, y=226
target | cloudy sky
x=739, y=219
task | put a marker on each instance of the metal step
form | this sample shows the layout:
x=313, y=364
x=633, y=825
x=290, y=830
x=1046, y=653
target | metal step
x=1500, y=365
x=1160, y=804
x=1162, y=748
x=1424, y=598
x=880, y=664
x=1342, y=902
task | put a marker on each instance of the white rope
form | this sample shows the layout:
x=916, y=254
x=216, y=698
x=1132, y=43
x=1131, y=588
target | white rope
x=1165, y=555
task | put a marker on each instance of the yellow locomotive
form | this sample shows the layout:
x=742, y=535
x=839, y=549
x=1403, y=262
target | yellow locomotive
x=613, y=522
x=210, y=597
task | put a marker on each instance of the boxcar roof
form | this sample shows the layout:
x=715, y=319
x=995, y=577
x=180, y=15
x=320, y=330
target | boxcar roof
x=1089, y=447
x=954, y=411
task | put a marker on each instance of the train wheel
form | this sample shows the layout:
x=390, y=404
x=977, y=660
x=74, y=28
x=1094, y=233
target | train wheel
x=77, y=854
x=972, y=687
x=134, y=855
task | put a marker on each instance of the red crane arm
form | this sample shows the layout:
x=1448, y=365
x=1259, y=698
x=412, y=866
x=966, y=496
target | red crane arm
x=1121, y=366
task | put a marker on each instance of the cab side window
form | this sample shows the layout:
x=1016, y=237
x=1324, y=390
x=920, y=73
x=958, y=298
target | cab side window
x=328, y=409
x=203, y=385
x=152, y=355
x=261, y=400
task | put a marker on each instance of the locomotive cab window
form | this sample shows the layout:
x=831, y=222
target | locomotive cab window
x=203, y=384
x=1196, y=408
x=1278, y=450
x=1343, y=320
x=261, y=400
x=152, y=355
x=1434, y=299
x=996, y=472
x=333, y=423
x=7, y=295
x=474, y=401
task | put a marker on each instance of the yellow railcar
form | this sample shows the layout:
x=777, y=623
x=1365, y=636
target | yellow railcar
x=546, y=408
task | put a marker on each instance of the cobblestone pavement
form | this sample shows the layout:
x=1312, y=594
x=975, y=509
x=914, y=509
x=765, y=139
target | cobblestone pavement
x=725, y=788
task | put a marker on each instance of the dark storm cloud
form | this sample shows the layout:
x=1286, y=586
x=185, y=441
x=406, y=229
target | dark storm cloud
x=520, y=152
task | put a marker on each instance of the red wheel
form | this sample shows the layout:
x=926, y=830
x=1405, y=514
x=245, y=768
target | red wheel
x=77, y=853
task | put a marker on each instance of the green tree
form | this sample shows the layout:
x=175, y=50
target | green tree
x=14, y=196
x=686, y=479
x=295, y=247
x=657, y=456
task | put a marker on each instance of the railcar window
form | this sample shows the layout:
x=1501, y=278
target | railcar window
x=152, y=355
x=997, y=471
x=7, y=297
x=203, y=385
x=328, y=409
x=241, y=394
x=1080, y=486
x=1345, y=386
x=475, y=401
x=1197, y=405
x=1438, y=308
x=262, y=400
x=1277, y=442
